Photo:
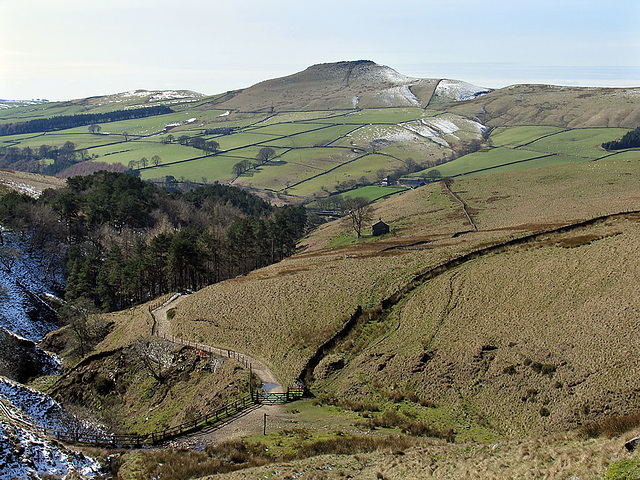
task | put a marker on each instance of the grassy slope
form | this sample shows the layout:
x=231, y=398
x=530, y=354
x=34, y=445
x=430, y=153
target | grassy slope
x=542, y=457
x=305, y=298
x=567, y=107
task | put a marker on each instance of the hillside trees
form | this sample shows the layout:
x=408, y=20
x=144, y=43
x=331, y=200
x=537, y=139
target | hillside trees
x=126, y=241
x=242, y=167
x=265, y=154
x=46, y=159
x=62, y=122
x=629, y=140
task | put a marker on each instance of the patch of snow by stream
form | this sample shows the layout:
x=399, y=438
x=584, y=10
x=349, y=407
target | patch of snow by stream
x=34, y=406
x=21, y=272
x=25, y=455
x=26, y=276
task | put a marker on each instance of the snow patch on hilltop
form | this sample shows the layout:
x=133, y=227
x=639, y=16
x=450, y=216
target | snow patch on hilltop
x=160, y=95
x=459, y=91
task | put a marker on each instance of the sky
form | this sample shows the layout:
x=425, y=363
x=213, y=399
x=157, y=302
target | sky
x=67, y=49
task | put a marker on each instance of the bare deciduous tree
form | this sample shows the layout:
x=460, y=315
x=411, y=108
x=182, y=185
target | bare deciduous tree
x=86, y=324
x=358, y=210
x=156, y=356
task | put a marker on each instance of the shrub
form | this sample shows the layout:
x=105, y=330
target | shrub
x=544, y=412
x=427, y=403
x=396, y=396
x=611, y=426
x=240, y=452
x=530, y=395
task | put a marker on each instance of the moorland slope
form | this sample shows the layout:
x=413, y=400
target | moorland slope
x=466, y=339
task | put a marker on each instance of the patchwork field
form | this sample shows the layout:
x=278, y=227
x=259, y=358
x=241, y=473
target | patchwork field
x=315, y=122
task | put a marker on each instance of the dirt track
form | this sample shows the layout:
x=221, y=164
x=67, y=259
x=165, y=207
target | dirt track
x=250, y=422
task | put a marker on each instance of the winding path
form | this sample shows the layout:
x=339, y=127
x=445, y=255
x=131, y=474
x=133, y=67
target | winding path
x=161, y=328
x=252, y=421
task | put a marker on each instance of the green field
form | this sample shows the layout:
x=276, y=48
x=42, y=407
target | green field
x=517, y=136
x=373, y=192
x=316, y=149
x=524, y=147
x=584, y=143
x=214, y=167
x=479, y=161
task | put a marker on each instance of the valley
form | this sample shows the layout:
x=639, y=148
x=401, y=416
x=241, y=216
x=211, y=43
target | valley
x=490, y=331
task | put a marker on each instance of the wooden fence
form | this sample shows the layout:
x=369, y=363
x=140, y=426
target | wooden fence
x=78, y=435
x=133, y=440
x=222, y=352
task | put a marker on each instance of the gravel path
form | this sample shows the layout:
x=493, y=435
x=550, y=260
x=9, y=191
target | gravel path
x=249, y=422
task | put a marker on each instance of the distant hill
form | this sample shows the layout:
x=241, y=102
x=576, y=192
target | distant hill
x=331, y=129
x=4, y=104
x=345, y=85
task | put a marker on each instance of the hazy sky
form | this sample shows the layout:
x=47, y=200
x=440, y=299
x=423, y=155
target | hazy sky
x=61, y=49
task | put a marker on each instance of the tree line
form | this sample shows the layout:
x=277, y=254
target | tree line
x=63, y=122
x=629, y=140
x=199, y=143
x=126, y=241
x=45, y=159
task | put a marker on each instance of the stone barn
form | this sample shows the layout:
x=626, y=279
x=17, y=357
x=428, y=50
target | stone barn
x=379, y=228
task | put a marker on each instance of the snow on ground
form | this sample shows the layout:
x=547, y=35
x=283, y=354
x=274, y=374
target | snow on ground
x=28, y=456
x=20, y=312
x=23, y=188
x=426, y=131
x=457, y=90
x=177, y=124
x=22, y=453
x=388, y=133
x=4, y=104
x=34, y=406
x=159, y=95
x=400, y=95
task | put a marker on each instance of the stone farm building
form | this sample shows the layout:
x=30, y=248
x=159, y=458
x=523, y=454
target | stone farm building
x=379, y=228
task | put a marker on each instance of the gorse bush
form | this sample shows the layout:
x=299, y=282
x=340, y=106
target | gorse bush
x=239, y=454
